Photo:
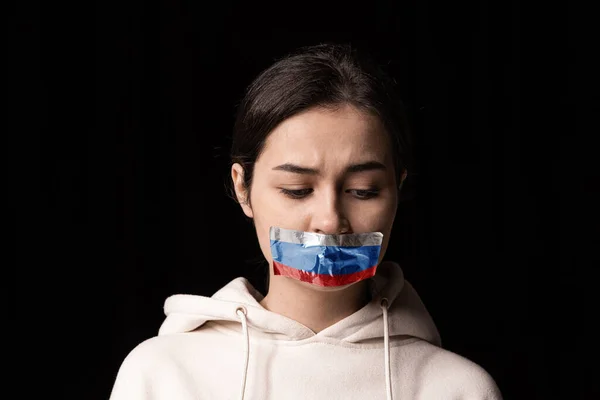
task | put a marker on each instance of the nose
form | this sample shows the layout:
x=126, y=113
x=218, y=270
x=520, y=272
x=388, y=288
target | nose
x=328, y=218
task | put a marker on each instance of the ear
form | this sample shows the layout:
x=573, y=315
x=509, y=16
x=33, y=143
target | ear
x=237, y=176
x=402, y=178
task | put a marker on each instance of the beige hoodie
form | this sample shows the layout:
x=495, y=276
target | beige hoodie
x=229, y=347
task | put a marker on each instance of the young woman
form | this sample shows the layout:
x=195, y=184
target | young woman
x=318, y=159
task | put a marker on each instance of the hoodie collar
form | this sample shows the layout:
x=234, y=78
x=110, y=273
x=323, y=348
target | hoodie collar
x=407, y=314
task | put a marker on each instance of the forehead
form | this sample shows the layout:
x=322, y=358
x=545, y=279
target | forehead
x=321, y=136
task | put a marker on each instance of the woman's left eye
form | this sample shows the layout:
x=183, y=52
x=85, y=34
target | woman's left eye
x=364, y=194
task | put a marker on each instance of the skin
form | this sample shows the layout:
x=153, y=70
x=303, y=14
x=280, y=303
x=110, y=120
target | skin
x=326, y=197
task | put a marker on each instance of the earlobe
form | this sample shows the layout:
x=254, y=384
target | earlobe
x=241, y=193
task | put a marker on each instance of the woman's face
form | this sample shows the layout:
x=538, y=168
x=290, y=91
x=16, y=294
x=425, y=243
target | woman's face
x=323, y=171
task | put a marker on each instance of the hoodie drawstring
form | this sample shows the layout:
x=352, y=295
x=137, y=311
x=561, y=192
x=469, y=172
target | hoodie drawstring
x=386, y=346
x=241, y=312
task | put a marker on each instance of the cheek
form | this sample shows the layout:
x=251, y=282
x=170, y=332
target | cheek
x=384, y=246
x=269, y=209
x=375, y=216
x=388, y=221
x=262, y=234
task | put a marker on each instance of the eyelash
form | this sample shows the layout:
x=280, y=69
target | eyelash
x=302, y=193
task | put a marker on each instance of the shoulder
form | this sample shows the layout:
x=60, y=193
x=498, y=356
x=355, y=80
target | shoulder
x=162, y=349
x=154, y=348
x=151, y=354
x=450, y=372
x=138, y=368
x=183, y=348
x=160, y=363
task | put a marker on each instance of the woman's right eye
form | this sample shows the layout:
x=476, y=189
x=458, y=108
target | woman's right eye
x=296, y=193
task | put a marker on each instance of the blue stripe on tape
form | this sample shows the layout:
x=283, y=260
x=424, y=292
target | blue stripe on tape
x=330, y=260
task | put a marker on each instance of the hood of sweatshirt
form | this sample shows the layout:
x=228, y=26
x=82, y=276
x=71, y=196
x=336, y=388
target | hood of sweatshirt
x=395, y=321
x=395, y=312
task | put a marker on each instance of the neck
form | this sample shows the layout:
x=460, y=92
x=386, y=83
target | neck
x=316, y=309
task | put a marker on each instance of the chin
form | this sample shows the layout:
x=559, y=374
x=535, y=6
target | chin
x=322, y=288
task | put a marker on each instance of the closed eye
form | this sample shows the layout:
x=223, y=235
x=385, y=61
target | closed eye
x=296, y=193
x=363, y=194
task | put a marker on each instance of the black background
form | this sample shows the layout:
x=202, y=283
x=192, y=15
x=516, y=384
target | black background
x=119, y=125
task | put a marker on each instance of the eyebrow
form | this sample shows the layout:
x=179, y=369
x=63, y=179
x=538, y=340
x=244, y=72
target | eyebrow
x=297, y=169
